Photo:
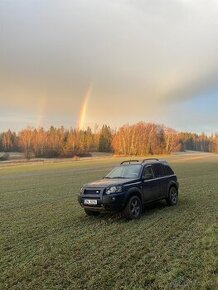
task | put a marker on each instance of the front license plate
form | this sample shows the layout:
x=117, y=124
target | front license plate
x=90, y=201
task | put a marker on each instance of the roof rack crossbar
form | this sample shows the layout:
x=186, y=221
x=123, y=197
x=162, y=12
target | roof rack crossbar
x=147, y=159
x=129, y=161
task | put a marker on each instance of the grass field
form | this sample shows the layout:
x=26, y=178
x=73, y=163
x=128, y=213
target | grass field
x=47, y=242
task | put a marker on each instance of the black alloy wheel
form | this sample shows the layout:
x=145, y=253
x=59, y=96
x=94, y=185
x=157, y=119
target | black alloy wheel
x=172, y=198
x=133, y=209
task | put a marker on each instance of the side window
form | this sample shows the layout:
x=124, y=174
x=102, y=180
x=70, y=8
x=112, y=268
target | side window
x=168, y=170
x=158, y=170
x=147, y=173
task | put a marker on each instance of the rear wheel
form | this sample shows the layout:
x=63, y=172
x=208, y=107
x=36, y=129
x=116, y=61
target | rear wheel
x=91, y=212
x=172, y=198
x=133, y=209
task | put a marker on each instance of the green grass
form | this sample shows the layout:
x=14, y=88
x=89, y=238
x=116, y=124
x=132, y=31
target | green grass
x=47, y=242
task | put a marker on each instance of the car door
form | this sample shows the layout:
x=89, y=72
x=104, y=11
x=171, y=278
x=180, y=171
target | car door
x=161, y=180
x=150, y=184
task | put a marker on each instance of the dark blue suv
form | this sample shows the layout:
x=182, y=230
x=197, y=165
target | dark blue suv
x=129, y=186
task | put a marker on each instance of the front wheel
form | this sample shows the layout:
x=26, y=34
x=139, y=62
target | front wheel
x=172, y=198
x=133, y=209
x=91, y=212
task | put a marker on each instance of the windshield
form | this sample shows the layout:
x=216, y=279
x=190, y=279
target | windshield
x=127, y=171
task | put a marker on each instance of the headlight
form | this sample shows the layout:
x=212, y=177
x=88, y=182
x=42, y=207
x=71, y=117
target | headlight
x=113, y=189
x=81, y=190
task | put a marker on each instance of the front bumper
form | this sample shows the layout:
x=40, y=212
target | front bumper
x=112, y=202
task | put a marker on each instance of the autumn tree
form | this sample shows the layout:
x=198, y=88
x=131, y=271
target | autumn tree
x=140, y=139
x=137, y=139
x=8, y=141
x=55, y=141
x=105, y=139
x=25, y=141
x=171, y=140
x=39, y=142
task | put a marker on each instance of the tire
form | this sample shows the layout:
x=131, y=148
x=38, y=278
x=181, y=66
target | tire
x=133, y=209
x=91, y=212
x=172, y=198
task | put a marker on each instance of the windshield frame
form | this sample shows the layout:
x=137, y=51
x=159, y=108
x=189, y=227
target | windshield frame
x=122, y=173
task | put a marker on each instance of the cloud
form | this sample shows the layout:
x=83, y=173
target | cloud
x=134, y=52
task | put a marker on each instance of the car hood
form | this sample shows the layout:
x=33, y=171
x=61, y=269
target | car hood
x=110, y=182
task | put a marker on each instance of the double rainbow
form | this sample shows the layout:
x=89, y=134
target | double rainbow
x=83, y=110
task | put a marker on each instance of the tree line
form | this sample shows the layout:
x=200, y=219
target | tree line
x=138, y=139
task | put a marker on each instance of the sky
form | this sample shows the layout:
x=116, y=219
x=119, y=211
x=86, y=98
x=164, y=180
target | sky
x=78, y=63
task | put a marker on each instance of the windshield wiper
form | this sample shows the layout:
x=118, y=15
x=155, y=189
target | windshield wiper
x=118, y=177
x=107, y=177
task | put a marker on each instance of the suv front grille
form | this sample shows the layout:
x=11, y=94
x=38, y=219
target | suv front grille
x=92, y=191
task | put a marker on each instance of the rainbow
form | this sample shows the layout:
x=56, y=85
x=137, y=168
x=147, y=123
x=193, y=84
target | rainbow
x=83, y=110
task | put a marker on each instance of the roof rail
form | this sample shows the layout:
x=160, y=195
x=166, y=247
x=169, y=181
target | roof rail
x=129, y=161
x=147, y=159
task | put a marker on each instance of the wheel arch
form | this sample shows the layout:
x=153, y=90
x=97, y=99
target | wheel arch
x=172, y=183
x=134, y=191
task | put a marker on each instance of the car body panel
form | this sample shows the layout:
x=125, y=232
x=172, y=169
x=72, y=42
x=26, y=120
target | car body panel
x=109, y=182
